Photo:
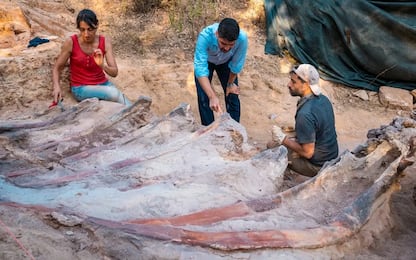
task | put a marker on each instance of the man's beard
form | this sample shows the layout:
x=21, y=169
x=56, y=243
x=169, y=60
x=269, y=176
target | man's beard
x=294, y=93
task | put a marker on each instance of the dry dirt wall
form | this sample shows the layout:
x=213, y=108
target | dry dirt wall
x=28, y=76
x=25, y=72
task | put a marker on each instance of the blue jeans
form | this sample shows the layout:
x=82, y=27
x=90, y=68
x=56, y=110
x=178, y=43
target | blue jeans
x=107, y=91
x=232, y=101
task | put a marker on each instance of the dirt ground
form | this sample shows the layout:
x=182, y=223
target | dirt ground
x=155, y=60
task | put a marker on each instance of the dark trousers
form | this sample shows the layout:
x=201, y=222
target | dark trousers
x=302, y=165
x=232, y=101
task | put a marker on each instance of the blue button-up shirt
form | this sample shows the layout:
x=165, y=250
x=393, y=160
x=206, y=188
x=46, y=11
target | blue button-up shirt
x=207, y=50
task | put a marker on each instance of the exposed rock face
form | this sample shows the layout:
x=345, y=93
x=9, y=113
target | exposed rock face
x=28, y=77
x=396, y=98
x=14, y=26
x=25, y=73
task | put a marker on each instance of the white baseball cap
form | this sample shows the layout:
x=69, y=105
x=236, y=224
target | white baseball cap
x=308, y=73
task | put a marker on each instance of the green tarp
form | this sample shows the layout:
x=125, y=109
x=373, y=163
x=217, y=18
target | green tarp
x=361, y=44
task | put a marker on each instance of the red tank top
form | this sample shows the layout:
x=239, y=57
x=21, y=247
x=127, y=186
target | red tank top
x=84, y=70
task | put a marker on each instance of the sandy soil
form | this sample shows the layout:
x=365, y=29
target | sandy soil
x=156, y=61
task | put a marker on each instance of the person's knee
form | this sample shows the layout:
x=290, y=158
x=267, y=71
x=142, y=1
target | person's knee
x=233, y=99
x=233, y=106
x=303, y=167
x=302, y=171
x=79, y=93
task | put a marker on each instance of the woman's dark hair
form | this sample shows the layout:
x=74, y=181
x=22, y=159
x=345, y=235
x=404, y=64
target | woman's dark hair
x=87, y=16
x=229, y=29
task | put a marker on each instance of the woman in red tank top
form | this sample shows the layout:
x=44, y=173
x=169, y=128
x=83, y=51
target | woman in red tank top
x=90, y=58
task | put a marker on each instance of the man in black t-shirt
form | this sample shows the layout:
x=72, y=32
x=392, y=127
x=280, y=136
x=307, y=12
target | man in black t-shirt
x=316, y=138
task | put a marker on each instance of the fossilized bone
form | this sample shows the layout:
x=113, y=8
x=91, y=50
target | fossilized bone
x=325, y=210
x=14, y=125
x=337, y=230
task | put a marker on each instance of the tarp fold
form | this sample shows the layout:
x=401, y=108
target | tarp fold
x=358, y=43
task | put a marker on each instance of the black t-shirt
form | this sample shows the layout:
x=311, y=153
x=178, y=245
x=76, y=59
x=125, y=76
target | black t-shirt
x=315, y=123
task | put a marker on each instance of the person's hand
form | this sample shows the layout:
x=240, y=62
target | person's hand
x=214, y=104
x=56, y=94
x=232, y=88
x=278, y=135
x=99, y=57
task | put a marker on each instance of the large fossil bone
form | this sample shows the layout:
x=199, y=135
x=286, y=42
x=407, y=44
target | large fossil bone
x=170, y=180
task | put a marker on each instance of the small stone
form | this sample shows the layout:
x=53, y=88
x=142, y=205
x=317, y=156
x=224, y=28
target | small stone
x=361, y=94
x=273, y=116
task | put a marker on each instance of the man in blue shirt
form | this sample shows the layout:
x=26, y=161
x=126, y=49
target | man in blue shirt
x=316, y=137
x=222, y=48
